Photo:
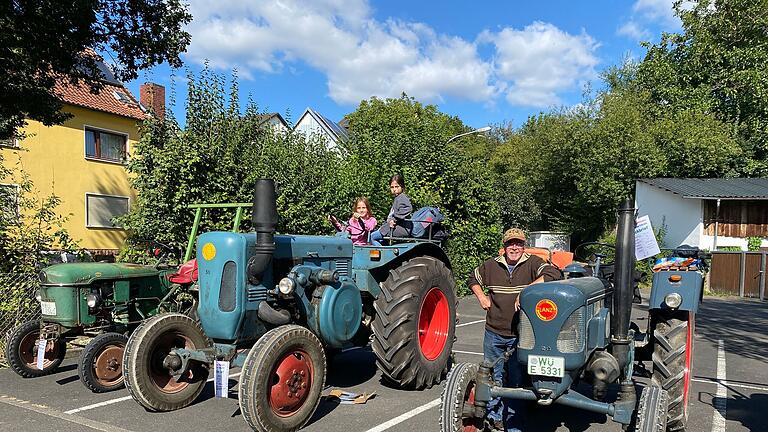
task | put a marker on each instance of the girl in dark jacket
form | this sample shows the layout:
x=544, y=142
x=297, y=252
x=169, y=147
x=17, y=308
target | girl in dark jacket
x=395, y=225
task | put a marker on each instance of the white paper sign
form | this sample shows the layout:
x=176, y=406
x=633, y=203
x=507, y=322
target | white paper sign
x=645, y=241
x=221, y=378
x=41, y=343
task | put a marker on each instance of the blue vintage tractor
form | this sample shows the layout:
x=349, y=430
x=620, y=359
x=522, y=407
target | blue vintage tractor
x=276, y=304
x=579, y=330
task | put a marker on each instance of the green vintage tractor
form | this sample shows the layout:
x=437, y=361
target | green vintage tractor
x=106, y=301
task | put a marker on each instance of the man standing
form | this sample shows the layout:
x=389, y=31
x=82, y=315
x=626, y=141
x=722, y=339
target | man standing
x=504, y=277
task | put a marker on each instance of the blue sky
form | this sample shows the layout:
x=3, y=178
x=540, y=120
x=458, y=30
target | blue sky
x=486, y=62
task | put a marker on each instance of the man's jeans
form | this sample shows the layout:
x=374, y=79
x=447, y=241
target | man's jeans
x=510, y=410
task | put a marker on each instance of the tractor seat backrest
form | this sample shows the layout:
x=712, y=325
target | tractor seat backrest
x=187, y=273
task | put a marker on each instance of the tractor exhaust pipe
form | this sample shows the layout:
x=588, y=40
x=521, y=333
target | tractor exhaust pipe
x=264, y=220
x=622, y=296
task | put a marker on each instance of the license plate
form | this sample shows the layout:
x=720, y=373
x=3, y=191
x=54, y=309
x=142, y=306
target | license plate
x=48, y=308
x=546, y=366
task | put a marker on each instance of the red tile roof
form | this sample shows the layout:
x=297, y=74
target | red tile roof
x=80, y=95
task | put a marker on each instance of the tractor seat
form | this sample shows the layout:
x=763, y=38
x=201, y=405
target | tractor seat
x=187, y=273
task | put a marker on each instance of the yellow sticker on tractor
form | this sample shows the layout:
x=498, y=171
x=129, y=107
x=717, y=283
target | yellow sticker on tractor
x=209, y=251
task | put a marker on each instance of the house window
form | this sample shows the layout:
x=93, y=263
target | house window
x=9, y=202
x=100, y=210
x=104, y=145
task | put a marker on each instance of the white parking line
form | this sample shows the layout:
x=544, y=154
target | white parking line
x=718, y=417
x=469, y=323
x=403, y=417
x=120, y=399
x=729, y=384
x=50, y=412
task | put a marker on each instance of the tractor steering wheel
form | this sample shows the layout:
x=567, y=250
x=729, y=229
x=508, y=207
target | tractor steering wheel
x=590, y=252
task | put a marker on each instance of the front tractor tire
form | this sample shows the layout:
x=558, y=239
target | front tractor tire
x=652, y=410
x=673, y=362
x=21, y=351
x=415, y=323
x=101, y=366
x=282, y=378
x=457, y=403
x=145, y=362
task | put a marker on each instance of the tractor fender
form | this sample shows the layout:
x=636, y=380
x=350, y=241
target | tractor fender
x=688, y=284
x=380, y=273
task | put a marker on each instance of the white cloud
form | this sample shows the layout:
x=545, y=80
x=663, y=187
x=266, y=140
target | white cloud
x=540, y=61
x=647, y=13
x=362, y=57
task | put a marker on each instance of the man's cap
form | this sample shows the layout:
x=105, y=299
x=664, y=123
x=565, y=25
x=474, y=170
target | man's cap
x=513, y=234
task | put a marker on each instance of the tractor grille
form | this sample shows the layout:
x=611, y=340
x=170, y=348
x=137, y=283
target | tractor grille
x=572, y=335
x=257, y=293
x=527, y=339
x=342, y=267
x=227, y=298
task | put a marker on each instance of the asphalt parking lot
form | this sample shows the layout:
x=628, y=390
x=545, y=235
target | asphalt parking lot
x=729, y=389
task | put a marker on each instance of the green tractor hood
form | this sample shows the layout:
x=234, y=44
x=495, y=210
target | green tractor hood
x=87, y=273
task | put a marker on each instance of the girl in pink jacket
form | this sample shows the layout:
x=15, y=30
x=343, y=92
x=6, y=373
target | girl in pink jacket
x=360, y=224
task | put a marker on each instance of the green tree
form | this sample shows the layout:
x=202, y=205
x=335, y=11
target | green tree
x=716, y=65
x=45, y=41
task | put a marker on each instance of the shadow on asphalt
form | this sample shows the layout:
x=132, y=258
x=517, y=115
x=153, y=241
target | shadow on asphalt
x=741, y=324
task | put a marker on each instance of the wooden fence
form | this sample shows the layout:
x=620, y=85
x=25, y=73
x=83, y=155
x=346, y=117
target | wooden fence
x=738, y=273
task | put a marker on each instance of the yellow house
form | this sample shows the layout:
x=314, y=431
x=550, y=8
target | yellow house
x=83, y=160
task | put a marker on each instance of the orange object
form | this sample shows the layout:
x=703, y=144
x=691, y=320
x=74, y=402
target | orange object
x=562, y=258
x=539, y=252
x=546, y=310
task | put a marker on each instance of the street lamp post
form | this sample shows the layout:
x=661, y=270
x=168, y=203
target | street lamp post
x=481, y=130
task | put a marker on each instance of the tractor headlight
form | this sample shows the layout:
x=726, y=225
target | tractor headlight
x=673, y=300
x=92, y=300
x=38, y=296
x=571, y=338
x=286, y=286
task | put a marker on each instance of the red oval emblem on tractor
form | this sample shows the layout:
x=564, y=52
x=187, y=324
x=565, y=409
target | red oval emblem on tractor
x=546, y=310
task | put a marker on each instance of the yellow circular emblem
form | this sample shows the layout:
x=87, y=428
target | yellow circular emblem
x=209, y=251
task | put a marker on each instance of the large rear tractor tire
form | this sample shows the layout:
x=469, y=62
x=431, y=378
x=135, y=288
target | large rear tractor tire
x=652, y=410
x=101, y=366
x=147, y=356
x=21, y=351
x=282, y=378
x=673, y=362
x=415, y=323
x=457, y=402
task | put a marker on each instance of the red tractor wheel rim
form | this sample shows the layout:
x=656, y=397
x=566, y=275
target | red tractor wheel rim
x=160, y=375
x=108, y=365
x=291, y=383
x=688, y=365
x=28, y=350
x=434, y=321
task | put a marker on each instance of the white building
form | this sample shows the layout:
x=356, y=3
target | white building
x=314, y=123
x=274, y=121
x=706, y=213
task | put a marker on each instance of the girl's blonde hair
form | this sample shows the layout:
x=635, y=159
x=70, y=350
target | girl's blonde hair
x=365, y=201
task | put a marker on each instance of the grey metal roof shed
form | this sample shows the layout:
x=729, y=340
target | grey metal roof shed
x=713, y=188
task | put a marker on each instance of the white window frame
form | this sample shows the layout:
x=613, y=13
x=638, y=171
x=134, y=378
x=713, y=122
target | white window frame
x=127, y=136
x=18, y=191
x=87, y=223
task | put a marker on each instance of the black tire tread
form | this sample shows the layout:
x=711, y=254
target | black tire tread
x=138, y=389
x=652, y=410
x=452, y=398
x=670, y=334
x=15, y=361
x=253, y=413
x=96, y=345
x=396, y=347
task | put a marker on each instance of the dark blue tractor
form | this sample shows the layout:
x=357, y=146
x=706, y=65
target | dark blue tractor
x=578, y=330
x=277, y=305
